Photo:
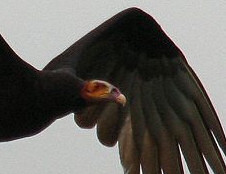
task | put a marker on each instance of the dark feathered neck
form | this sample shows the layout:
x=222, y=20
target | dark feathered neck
x=60, y=92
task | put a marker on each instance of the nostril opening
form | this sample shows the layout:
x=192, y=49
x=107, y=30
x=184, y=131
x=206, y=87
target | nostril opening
x=114, y=90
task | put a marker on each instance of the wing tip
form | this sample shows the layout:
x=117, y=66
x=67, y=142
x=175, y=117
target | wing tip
x=134, y=12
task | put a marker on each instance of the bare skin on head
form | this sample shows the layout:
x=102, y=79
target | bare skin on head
x=98, y=90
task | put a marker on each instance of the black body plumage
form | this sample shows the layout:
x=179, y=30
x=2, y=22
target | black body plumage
x=167, y=105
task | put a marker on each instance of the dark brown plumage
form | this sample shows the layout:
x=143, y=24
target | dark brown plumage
x=30, y=100
x=167, y=106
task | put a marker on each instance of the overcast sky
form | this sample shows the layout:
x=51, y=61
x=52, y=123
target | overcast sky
x=40, y=30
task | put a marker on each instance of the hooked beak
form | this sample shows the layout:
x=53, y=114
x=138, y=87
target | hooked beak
x=98, y=90
x=121, y=99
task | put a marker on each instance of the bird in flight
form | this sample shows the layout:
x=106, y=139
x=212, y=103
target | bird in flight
x=167, y=108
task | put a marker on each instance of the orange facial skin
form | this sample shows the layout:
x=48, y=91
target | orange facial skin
x=98, y=90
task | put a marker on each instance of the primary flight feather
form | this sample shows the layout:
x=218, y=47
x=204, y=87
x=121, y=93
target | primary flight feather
x=167, y=107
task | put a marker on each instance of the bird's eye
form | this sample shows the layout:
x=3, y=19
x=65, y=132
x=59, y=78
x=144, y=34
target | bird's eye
x=96, y=87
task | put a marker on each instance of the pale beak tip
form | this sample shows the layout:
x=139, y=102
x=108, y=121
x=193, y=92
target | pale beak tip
x=121, y=99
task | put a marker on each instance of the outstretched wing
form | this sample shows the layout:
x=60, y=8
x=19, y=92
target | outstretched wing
x=14, y=72
x=17, y=81
x=168, y=108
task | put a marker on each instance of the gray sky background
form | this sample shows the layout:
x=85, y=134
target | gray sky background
x=40, y=30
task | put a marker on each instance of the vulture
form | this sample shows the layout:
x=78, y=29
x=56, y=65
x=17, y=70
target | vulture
x=165, y=111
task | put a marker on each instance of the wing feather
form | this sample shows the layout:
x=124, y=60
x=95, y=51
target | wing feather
x=182, y=130
x=88, y=118
x=169, y=155
x=137, y=116
x=167, y=105
x=195, y=90
x=188, y=111
x=127, y=149
x=108, y=125
x=149, y=156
